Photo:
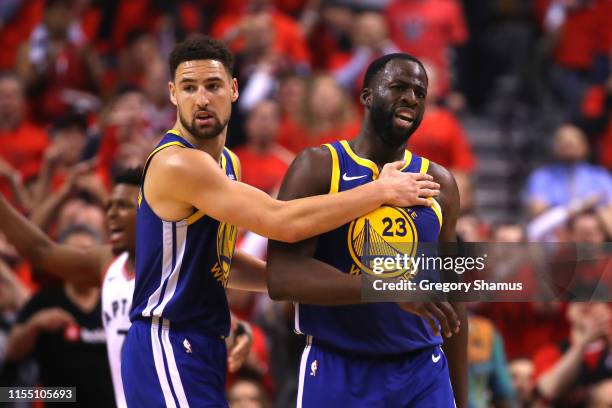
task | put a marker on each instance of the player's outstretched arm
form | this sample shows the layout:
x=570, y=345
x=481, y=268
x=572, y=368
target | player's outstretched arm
x=455, y=347
x=81, y=266
x=204, y=185
x=293, y=273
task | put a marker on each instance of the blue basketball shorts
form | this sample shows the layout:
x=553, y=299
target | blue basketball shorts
x=333, y=378
x=167, y=366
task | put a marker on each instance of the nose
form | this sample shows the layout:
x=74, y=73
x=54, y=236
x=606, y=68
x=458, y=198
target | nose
x=202, y=98
x=409, y=98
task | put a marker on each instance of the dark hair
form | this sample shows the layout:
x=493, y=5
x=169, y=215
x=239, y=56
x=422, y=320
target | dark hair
x=52, y=3
x=131, y=176
x=79, y=229
x=200, y=47
x=69, y=121
x=379, y=63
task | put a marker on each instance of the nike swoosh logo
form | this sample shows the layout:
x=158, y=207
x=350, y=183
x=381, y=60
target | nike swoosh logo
x=437, y=358
x=349, y=178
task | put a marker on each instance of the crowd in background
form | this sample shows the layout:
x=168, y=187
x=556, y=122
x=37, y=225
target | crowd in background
x=84, y=95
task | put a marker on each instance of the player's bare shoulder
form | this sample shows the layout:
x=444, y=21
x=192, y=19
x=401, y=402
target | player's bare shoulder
x=309, y=174
x=449, y=193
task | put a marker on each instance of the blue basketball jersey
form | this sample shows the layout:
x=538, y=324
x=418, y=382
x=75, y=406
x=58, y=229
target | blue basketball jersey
x=375, y=328
x=182, y=267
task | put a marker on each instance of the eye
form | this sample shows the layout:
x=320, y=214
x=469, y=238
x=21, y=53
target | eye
x=213, y=87
x=190, y=88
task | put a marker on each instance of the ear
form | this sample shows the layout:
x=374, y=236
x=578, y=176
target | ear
x=234, y=89
x=172, y=90
x=366, y=97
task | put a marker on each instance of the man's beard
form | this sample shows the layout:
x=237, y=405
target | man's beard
x=207, y=133
x=382, y=122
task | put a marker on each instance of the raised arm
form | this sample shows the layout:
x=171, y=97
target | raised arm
x=205, y=186
x=455, y=347
x=83, y=266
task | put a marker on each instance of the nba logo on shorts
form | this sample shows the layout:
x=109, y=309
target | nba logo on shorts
x=313, y=368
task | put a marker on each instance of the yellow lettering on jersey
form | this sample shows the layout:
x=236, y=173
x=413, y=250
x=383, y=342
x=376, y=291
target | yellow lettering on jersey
x=413, y=214
x=216, y=271
x=354, y=270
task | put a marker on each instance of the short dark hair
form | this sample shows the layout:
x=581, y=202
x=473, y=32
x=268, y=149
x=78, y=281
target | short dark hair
x=130, y=176
x=69, y=121
x=379, y=63
x=200, y=47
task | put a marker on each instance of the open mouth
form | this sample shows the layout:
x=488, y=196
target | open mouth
x=115, y=233
x=404, y=117
x=204, y=118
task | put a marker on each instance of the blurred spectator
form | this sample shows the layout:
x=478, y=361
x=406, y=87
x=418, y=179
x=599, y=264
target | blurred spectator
x=17, y=20
x=68, y=139
x=62, y=329
x=566, y=371
x=370, y=40
x=441, y=138
x=59, y=69
x=328, y=114
x=470, y=228
x=521, y=372
x=523, y=326
x=291, y=96
x=141, y=52
x=265, y=32
x=13, y=295
x=577, y=32
x=569, y=177
x=429, y=30
x=262, y=160
x=488, y=377
x=127, y=136
x=162, y=114
x=601, y=396
x=247, y=393
x=22, y=144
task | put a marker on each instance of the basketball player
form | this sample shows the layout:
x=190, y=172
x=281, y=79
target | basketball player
x=190, y=205
x=111, y=266
x=377, y=354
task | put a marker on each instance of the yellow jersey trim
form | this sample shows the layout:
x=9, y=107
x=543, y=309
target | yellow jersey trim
x=360, y=160
x=435, y=206
x=407, y=159
x=437, y=209
x=174, y=132
x=235, y=165
x=194, y=217
x=424, y=165
x=369, y=163
x=175, y=143
x=335, y=175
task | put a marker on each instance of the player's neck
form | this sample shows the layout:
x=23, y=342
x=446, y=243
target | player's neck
x=373, y=148
x=213, y=146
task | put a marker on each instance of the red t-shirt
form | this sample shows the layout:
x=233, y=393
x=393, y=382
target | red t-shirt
x=426, y=29
x=24, y=148
x=581, y=37
x=264, y=170
x=440, y=138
